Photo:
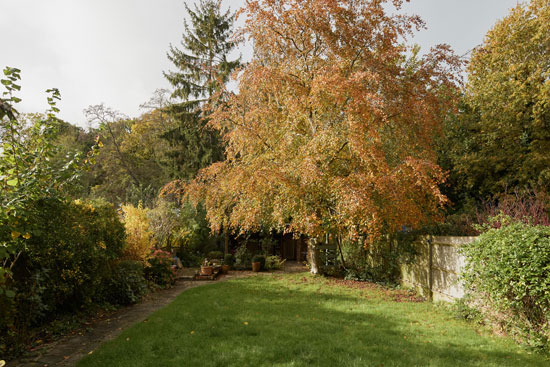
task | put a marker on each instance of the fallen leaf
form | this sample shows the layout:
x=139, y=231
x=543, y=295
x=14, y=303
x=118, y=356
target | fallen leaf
x=246, y=323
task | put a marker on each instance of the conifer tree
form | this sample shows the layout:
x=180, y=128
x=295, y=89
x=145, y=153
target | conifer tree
x=202, y=69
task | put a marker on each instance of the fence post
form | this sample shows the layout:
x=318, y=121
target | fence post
x=430, y=268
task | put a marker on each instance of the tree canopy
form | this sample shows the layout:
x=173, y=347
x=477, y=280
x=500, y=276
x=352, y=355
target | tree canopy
x=332, y=128
x=501, y=138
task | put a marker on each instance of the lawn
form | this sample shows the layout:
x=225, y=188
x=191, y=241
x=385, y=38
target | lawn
x=301, y=320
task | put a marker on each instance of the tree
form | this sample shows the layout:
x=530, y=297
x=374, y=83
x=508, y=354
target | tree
x=202, y=70
x=28, y=171
x=501, y=138
x=130, y=167
x=332, y=129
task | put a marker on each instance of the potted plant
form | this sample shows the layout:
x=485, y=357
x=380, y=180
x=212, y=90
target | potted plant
x=227, y=263
x=258, y=262
x=206, y=268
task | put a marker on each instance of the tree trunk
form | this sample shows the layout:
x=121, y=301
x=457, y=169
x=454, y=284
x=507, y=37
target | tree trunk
x=226, y=238
x=314, y=258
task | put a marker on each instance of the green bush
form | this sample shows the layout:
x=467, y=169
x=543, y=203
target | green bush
x=380, y=261
x=64, y=265
x=215, y=255
x=127, y=283
x=507, y=272
x=228, y=260
x=242, y=257
x=259, y=259
x=160, y=270
x=274, y=262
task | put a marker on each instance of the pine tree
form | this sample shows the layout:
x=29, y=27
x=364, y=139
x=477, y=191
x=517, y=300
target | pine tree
x=202, y=70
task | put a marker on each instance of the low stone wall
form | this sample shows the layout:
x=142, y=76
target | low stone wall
x=435, y=272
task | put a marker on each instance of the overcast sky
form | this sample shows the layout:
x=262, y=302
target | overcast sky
x=114, y=51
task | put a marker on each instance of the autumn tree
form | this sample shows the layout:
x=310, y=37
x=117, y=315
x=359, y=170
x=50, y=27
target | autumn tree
x=332, y=129
x=202, y=68
x=501, y=138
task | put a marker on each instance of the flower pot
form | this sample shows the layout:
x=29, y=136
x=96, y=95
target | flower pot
x=225, y=269
x=256, y=266
x=207, y=270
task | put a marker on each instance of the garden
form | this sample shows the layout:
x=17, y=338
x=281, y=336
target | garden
x=297, y=187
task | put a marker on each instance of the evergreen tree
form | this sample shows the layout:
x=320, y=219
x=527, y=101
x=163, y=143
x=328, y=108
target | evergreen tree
x=202, y=70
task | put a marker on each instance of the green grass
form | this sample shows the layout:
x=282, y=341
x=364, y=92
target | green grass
x=300, y=320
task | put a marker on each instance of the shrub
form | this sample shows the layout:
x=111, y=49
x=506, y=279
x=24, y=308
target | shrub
x=242, y=257
x=507, y=272
x=259, y=259
x=215, y=255
x=159, y=271
x=65, y=263
x=189, y=258
x=274, y=262
x=380, y=261
x=139, y=236
x=127, y=283
x=267, y=245
x=228, y=260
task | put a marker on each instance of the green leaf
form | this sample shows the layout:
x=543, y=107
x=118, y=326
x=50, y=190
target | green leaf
x=12, y=182
x=9, y=293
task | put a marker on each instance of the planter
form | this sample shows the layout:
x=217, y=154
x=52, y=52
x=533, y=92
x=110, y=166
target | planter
x=225, y=269
x=207, y=270
x=256, y=266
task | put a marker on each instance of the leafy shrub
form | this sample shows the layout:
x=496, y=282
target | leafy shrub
x=139, y=236
x=127, y=283
x=228, y=260
x=530, y=207
x=507, y=272
x=215, y=255
x=189, y=258
x=64, y=265
x=259, y=259
x=267, y=245
x=160, y=270
x=380, y=261
x=243, y=257
x=274, y=262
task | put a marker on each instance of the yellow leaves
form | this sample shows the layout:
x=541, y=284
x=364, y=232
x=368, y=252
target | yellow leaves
x=15, y=234
x=139, y=236
x=245, y=323
x=192, y=332
x=27, y=236
x=2, y=363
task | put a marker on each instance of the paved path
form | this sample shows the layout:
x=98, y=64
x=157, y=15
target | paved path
x=70, y=349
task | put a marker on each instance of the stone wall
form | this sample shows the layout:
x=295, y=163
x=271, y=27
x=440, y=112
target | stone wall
x=435, y=272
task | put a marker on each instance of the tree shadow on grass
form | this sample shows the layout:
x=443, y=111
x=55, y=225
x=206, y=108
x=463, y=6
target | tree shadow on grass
x=255, y=322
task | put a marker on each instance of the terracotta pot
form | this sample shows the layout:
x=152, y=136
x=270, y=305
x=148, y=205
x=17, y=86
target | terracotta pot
x=225, y=269
x=256, y=266
x=207, y=270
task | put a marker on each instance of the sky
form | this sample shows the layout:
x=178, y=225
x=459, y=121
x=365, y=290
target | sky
x=114, y=51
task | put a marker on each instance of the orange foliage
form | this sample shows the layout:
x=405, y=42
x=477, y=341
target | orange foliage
x=331, y=130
